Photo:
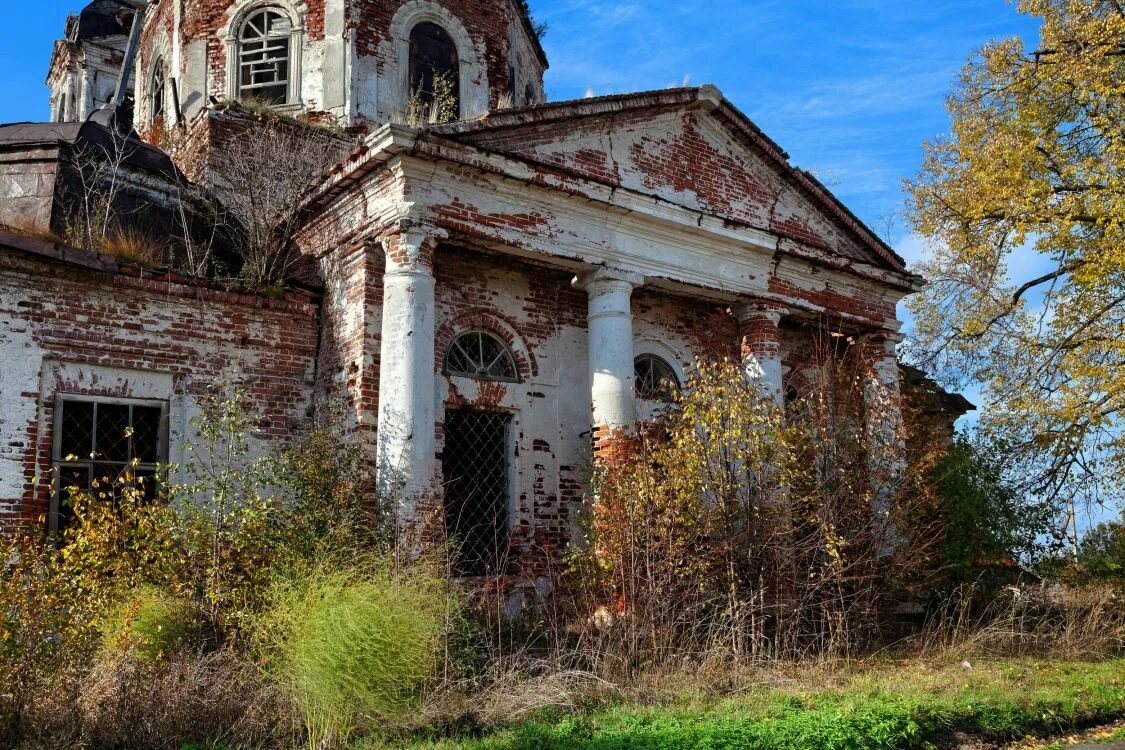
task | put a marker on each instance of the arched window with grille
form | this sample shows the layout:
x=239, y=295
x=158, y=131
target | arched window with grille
x=482, y=355
x=435, y=70
x=656, y=380
x=265, y=64
x=157, y=85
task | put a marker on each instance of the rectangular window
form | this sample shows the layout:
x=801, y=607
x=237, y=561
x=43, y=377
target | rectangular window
x=476, y=469
x=99, y=440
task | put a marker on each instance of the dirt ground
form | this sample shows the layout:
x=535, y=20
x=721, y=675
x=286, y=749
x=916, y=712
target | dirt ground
x=1108, y=737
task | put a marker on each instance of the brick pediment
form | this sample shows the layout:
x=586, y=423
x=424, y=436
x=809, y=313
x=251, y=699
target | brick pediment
x=688, y=147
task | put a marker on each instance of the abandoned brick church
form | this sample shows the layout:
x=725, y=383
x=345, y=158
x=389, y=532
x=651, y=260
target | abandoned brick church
x=492, y=297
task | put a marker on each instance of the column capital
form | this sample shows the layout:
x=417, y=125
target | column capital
x=757, y=309
x=409, y=250
x=605, y=278
x=887, y=338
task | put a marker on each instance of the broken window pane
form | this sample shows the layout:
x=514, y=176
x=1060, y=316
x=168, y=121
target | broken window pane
x=158, y=88
x=433, y=55
x=102, y=441
x=264, y=58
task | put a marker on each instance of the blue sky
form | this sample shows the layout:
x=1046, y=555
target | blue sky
x=850, y=88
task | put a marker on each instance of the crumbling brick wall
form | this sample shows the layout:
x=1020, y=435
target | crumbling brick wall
x=89, y=332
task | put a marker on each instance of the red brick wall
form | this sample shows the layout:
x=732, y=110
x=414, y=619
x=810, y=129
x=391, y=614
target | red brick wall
x=130, y=323
x=543, y=319
x=486, y=21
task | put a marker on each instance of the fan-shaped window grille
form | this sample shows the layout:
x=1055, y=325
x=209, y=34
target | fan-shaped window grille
x=655, y=378
x=480, y=354
x=263, y=59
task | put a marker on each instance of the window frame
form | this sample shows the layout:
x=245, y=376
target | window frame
x=664, y=363
x=158, y=84
x=266, y=53
x=59, y=462
x=483, y=332
x=233, y=40
x=455, y=73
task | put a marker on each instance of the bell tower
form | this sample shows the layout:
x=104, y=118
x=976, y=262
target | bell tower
x=354, y=63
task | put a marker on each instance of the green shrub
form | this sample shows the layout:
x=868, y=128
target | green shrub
x=150, y=624
x=355, y=643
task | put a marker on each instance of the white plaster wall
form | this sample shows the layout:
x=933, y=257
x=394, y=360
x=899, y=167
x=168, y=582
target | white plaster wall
x=552, y=405
x=19, y=374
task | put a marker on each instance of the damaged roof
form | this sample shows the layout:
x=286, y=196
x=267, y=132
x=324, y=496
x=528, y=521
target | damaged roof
x=99, y=19
x=483, y=129
x=96, y=131
x=938, y=400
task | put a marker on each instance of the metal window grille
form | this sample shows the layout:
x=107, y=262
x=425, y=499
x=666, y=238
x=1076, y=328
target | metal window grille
x=100, y=441
x=476, y=471
x=479, y=354
x=433, y=53
x=655, y=378
x=158, y=88
x=264, y=57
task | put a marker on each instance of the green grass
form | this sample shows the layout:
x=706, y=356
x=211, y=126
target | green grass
x=352, y=644
x=883, y=707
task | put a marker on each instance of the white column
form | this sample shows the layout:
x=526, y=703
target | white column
x=87, y=93
x=407, y=380
x=610, y=334
x=761, y=348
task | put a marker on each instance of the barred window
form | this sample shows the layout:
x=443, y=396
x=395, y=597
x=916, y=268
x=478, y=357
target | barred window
x=480, y=354
x=100, y=440
x=264, y=57
x=157, y=84
x=655, y=378
x=476, y=469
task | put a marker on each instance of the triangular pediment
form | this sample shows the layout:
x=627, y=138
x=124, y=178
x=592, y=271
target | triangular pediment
x=687, y=149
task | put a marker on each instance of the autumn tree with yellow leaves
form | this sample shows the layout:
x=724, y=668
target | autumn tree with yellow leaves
x=1024, y=204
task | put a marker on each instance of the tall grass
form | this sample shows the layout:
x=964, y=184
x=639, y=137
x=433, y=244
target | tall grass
x=353, y=645
x=1060, y=623
x=150, y=623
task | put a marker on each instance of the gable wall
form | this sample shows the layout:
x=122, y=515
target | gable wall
x=685, y=158
x=71, y=330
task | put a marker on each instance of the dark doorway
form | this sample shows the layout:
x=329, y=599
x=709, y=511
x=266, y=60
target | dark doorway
x=476, y=466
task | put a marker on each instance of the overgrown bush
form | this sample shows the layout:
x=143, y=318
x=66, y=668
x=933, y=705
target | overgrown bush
x=985, y=526
x=149, y=624
x=351, y=644
x=138, y=595
x=739, y=529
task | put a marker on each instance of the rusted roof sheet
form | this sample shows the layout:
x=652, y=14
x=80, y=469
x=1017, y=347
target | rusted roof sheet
x=95, y=132
x=32, y=133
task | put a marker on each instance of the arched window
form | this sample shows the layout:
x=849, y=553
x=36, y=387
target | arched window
x=655, y=378
x=157, y=84
x=480, y=354
x=435, y=69
x=264, y=63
